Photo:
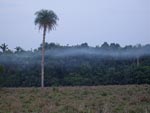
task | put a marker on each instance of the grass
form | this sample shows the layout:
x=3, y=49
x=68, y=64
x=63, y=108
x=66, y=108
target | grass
x=95, y=99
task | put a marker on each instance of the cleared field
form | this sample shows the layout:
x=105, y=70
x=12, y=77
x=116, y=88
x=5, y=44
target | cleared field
x=96, y=99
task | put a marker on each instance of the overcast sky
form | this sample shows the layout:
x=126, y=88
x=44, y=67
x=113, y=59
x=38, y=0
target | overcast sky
x=92, y=21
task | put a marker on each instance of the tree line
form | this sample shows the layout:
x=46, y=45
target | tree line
x=105, y=46
x=21, y=68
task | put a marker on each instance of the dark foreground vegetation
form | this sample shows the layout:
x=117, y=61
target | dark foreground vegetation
x=95, y=99
x=75, y=65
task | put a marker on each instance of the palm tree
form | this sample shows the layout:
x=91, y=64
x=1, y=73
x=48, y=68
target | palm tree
x=46, y=20
x=4, y=47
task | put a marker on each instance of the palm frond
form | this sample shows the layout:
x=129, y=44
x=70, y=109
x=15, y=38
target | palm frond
x=46, y=19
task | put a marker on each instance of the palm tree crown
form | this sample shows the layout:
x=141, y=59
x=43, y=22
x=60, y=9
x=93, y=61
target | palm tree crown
x=46, y=19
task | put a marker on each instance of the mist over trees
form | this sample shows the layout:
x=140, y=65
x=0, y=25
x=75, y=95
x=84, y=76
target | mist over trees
x=76, y=65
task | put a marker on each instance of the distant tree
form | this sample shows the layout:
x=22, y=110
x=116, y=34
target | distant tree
x=118, y=46
x=114, y=46
x=46, y=20
x=84, y=45
x=18, y=49
x=105, y=45
x=53, y=45
x=49, y=46
x=128, y=47
x=4, y=47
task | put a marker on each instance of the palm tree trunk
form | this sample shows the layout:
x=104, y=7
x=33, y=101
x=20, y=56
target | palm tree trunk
x=43, y=60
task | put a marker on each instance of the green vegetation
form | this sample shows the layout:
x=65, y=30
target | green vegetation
x=95, y=99
x=1, y=69
x=79, y=65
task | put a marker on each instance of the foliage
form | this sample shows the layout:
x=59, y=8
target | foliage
x=1, y=69
x=4, y=47
x=18, y=49
x=46, y=19
x=76, y=66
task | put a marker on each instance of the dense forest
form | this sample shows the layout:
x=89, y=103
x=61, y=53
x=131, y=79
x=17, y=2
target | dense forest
x=75, y=65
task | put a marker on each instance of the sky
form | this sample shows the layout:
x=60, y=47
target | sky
x=93, y=21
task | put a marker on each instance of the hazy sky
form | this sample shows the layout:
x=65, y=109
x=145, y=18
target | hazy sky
x=92, y=21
